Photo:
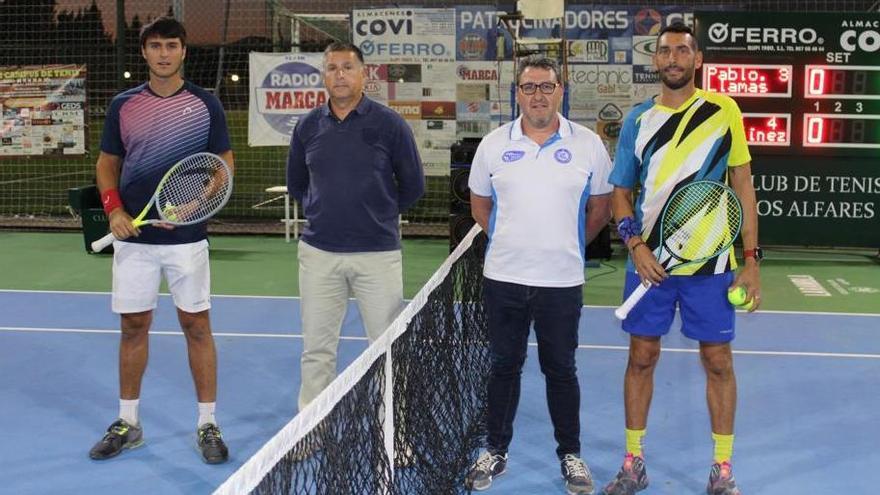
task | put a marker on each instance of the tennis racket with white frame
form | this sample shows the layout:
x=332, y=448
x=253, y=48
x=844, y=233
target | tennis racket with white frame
x=700, y=221
x=193, y=190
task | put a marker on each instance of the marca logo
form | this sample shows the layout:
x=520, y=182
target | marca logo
x=305, y=99
x=512, y=156
x=866, y=41
x=724, y=33
x=477, y=74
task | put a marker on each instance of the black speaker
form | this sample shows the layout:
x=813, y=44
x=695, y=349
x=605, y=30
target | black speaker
x=461, y=155
x=462, y=152
x=459, y=192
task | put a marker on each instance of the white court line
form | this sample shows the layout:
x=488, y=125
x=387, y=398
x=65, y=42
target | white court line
x=753, y=353
x=769, y=311
x=91, y=293
x=165, y=332
x=624, y=348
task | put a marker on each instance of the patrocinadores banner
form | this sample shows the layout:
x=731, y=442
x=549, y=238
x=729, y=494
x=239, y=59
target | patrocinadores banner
x=283, y=87
x=457, y=61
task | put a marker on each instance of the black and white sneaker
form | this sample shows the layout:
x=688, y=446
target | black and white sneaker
x=577, y=476
x=120, y=436
x=211, y=445
x=487, y=468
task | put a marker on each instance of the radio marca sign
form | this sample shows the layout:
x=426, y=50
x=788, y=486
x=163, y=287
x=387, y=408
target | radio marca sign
x=283, y=87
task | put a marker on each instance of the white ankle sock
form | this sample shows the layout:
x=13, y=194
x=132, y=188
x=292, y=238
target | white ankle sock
x=206, y=413
x=128, y=411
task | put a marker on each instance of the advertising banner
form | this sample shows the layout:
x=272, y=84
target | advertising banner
x=43, y=110
x=283, y=87
x=405, y=35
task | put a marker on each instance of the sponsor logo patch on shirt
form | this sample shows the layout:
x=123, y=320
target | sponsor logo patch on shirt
x=562, y=155
x=512, y=156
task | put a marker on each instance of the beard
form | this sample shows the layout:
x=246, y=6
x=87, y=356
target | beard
x=540, y=122
x=686, y=77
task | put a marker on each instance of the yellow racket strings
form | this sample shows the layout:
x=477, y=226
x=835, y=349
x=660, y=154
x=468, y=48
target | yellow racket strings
x=700, y=221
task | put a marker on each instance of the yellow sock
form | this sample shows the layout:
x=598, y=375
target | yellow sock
x=634, y=442
x=723, y=447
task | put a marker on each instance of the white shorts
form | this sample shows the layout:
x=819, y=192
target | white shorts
x=138, y=270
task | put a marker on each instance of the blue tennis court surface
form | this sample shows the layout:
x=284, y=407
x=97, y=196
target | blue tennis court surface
x=806, y=422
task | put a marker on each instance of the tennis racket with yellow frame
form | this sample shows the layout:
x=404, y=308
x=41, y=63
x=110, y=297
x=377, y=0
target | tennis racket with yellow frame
x=700, y=221
x=192, y=191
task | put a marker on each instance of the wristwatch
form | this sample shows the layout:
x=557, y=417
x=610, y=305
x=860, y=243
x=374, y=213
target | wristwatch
x=756, y=253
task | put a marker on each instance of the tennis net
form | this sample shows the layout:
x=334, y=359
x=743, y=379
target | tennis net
x=429, y=369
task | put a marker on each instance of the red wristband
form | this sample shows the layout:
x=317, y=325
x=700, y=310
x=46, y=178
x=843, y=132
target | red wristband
x=110, y=200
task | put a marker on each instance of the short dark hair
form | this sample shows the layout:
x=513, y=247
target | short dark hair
x=540, y=62
x=163, y=27
x=679, y=27
x=344, y=46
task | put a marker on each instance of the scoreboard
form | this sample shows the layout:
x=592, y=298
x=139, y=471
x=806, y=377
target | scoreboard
x=808, y=85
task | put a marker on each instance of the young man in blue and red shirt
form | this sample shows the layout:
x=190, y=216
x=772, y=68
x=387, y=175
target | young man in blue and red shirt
x=148, y=129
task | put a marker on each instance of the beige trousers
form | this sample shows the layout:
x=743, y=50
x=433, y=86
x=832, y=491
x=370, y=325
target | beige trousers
x=326, y=280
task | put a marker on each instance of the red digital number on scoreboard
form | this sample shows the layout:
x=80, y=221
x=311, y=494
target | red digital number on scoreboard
x=758, y=80
x=841, y=131
x=767, y=129
x=860, y=82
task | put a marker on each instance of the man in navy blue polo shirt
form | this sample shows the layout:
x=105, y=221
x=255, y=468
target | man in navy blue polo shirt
x=354, y=166
x=148, y=129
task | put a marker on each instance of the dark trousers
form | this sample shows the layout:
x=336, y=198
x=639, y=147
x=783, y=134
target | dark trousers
x=511, y=309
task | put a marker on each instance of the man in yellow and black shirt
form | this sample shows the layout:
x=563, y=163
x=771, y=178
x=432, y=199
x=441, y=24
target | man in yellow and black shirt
x=681, y=135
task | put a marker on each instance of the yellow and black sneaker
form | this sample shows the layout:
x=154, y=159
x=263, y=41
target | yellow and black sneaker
x=120, y=436
x=211, y=445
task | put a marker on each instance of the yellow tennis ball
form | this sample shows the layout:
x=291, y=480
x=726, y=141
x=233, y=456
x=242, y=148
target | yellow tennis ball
x=749, y=306
x=168, y=212
x=737, y=296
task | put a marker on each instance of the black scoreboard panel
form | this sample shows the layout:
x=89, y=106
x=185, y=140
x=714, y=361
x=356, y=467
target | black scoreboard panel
x=808, y=85
x=796, y=106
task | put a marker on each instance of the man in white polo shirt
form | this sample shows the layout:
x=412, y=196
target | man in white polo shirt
x=539, y=189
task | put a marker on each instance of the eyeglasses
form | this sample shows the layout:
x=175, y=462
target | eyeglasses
x=546, y=87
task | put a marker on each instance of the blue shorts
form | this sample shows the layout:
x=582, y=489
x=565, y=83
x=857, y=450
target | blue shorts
x=706, y=314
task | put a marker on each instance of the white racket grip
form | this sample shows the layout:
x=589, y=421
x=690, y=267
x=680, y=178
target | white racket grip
x=631, y=301
x=103, y=242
